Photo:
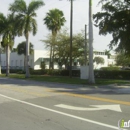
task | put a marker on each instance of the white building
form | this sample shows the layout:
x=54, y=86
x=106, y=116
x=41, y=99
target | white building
x=17, y=61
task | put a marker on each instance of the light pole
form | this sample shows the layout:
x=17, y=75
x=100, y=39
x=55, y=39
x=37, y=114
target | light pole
x=91, y=72
x=71, y=37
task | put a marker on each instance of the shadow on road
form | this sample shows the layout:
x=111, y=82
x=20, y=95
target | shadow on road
x=60, y=87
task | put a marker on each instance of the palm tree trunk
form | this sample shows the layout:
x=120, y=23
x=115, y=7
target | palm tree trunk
x=53, y=57
x=24, y=62
x=53, y=49
x=27, y=56
x=91, y=78
x=50, y=57
x=7, y=60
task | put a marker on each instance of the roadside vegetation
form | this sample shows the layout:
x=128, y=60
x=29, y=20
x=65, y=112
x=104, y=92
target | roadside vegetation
x=68, y=80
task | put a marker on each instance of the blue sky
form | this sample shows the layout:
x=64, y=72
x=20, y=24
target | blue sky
x=80, y=18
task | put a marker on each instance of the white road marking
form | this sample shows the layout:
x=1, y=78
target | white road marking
x=98, y=107
x=62, y=113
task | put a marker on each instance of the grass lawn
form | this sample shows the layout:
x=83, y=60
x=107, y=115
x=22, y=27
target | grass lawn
x=66, y=79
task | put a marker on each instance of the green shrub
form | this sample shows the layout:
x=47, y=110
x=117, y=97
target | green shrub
x=11, y=70
x=110, y=68
x=37, y=72
x=112, y=74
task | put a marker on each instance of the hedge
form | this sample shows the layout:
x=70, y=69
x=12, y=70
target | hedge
x=18, y=71
x=112, y=74
x=104, y=74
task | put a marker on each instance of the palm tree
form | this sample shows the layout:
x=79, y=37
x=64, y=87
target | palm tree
x=25, y=22
x=54, y=20
x=7, y=30
x=107, y=52
x=21, y=50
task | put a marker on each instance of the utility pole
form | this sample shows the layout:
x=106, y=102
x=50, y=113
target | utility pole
x=71, y=37
x=85, y=52
x=91, y=72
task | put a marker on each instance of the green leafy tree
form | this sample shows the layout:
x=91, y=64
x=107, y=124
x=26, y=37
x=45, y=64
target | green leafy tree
x=54, y=20
x=122, y=59
x=14, y=50
x=7, y=30
x=62, y=47
x=114, y=19
x=21, y=50
x=26, y=22
x=99, y=60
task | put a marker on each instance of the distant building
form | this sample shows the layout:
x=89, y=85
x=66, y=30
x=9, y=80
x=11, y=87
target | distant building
x=17, y=61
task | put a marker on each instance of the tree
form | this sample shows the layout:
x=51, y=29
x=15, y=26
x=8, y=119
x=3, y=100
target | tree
x=122, y=59
x=62, y=47
x=25, y=22
x=107, y=52
x=91, y=78
x=14, y=50
x=7, y=30
x=21, y=50
x=115, y=20
x=54, y=20
x=99, y=60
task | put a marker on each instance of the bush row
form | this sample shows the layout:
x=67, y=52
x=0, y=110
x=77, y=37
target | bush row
x=18, y=71
x=75, y=73
x=110, y=68
x=112, y=74
x=106, y=74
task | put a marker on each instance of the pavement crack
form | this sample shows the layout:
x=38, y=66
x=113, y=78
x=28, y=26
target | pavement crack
x=58, y=123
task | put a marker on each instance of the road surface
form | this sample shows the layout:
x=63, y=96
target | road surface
x=30, y=105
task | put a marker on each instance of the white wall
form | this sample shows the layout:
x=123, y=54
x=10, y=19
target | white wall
x=111, y=62
x=15, y=60
x=38, y=54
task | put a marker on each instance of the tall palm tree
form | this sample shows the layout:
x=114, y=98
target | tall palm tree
x=54, y=20
x=21, y=50
x=107, y=52
x=25, y=22
x=7, y=30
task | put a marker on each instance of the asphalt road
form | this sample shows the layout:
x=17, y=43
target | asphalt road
x=29, y=105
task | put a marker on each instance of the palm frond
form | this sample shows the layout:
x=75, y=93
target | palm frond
x=34, y=5
x=19, y=6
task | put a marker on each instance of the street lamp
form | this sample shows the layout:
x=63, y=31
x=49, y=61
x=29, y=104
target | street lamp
x=91, y=72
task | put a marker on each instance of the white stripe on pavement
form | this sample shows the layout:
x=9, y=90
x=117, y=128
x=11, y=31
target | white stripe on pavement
x=62, y=113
